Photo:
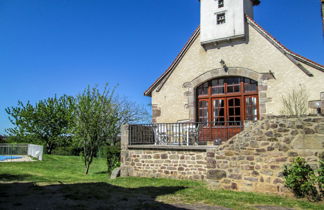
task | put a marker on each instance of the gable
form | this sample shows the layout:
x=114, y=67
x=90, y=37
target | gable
x=293, y=57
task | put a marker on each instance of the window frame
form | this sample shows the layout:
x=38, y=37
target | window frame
x=221, y=3
x=220, y=21
x=242, y=94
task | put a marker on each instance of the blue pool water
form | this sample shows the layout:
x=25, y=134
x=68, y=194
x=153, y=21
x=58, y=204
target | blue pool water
x=4, y=157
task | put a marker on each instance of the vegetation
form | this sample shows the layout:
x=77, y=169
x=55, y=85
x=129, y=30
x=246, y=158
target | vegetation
x=49, y=121
x=295, y=103
x=96, y=116
x=62, y=177
x=2, y=139
x=303, y=180
x=113, y=155
x=74, y=125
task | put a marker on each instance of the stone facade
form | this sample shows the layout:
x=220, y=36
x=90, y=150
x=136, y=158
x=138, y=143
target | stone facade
x=166, y=163
x=251, y=161
x=254, y=159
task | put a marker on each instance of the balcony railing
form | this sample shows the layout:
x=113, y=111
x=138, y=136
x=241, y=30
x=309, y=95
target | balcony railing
x=183, y=133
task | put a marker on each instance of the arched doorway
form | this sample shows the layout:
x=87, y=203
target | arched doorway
x=224, y=103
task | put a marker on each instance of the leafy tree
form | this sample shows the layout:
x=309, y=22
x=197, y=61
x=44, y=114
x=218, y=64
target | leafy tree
x=99, y=116
x=49, y=121
x=95, y=115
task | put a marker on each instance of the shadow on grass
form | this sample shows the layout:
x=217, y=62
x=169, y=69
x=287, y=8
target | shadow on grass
x=10, y=177
x=82, y=196
x=102, y=172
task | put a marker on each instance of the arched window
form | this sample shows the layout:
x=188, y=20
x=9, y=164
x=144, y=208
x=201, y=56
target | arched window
x=227, y=101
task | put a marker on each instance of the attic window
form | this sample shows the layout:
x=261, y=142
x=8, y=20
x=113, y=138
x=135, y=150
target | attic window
x=220, y=3
x=220, y=18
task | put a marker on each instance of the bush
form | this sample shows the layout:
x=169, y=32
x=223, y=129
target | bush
x=301, y=179
x=320, y=178
x=113, y=157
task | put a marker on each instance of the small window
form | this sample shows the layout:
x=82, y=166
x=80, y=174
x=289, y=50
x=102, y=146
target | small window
x=221, y=18
x=220, y=3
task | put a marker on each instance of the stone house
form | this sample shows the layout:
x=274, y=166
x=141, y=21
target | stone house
x=231, y=69
x=230, y=75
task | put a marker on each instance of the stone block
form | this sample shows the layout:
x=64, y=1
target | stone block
x=164, y=156
x=235, y=176
x=314, y=141
x=251, y=179
x=211, y=154
x=255, y=173
x=216, y=174
x=309, y=131
x=281, y=159
x=115, y=173
x=211, y=163
x=250, y=158
x=292, y=154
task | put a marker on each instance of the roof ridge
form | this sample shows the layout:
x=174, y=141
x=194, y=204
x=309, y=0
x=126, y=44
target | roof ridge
x=175, y=61
x=284, y=47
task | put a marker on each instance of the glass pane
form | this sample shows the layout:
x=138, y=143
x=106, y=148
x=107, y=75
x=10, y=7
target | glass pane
x=233, y=88
x=231, y=112
x=231, y=102
x=217, y=90
x=219, y=112
x=237, y=102
x=203, y=111
x=251, y=109
x=250, y=85
x=203, y=89
x=233, y=80
x=237, y=111
x=218, y=86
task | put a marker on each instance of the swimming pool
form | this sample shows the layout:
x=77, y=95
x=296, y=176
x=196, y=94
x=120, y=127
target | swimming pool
x=6, y=157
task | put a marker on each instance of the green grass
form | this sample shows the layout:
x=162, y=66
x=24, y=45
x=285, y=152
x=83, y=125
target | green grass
x=55, y=169
x=69, y=172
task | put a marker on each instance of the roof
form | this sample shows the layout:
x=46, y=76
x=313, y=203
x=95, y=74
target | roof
x=291, y=55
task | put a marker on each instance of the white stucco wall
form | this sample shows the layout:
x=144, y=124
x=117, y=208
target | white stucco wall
x=234, y=19
x=257, y=54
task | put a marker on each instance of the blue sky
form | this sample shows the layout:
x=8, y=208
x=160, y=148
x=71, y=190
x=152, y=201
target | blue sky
x=59, y=47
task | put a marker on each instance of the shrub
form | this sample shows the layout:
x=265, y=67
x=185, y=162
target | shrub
x=301, y=179
x=320, y=178
x=113, y=157
x=295, y=103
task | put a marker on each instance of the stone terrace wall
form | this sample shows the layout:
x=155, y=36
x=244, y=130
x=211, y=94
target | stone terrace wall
x=254, y=159
x=251, y=161
x=165, y=163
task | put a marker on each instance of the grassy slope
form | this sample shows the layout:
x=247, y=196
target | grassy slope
x=70, y=170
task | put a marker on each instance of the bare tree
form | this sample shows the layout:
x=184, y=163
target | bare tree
x=295, y=103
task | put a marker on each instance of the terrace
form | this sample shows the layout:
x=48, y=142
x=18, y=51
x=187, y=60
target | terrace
x=183, y=134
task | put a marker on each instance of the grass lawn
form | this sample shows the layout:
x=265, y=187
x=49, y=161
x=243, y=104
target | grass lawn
x=59, y=182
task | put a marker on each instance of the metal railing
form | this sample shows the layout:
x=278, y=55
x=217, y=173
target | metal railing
x=32, y=150
x=13, y=149
x=183, y=133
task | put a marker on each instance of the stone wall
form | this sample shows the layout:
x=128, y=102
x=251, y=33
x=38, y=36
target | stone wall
x=251, y=161
x=254, y=159
x=165, y=163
